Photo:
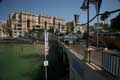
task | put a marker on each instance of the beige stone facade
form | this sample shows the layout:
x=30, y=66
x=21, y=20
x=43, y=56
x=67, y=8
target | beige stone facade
x=3, y=32
x=23, y=22
x=70, y=26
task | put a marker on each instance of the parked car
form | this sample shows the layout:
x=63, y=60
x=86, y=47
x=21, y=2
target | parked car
x=71, y=38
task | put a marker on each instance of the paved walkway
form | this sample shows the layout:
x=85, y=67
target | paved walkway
x=92, y=71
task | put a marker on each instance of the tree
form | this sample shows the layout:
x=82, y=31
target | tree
x=7, y=30
x=105, y=15
x=115, y=23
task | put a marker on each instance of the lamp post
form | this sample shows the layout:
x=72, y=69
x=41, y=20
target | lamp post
x=85, y=6
x=97, y=11
x=87, y=41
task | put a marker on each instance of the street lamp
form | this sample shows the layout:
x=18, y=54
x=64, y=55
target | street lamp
x=85, y=6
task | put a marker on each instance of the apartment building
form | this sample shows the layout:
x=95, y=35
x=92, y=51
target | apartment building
x=1, y=29
x=23, y=22
x=3, y=32
x=70, y=26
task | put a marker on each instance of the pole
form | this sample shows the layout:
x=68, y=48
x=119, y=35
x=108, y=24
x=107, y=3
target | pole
x=54, y=25
x=97, y=32
x=45, y=50
x=45, y=69
x=97, y=25
x=87, y=41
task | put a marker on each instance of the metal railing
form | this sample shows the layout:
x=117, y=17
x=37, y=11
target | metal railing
x=111, y=63
x=108, y=60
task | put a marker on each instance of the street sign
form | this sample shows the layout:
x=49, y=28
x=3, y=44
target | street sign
x=45, y=63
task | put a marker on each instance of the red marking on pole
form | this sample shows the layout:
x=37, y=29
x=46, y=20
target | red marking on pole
x=46, y=51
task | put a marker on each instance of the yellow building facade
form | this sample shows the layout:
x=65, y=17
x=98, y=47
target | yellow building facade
x=23, y=22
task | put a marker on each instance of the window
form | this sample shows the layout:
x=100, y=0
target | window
x=19, y=25
x=37, y=26
x=28, y=24
x=19, y=28
x=20, y=32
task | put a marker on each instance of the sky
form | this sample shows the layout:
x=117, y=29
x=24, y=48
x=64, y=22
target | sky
x=61, y=8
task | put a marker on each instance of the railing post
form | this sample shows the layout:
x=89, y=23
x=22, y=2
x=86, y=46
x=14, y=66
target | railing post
x=119, y=66
x=86, y=55
x=111, y=63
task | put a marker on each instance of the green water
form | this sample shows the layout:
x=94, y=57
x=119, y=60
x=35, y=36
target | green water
x=20, y=61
